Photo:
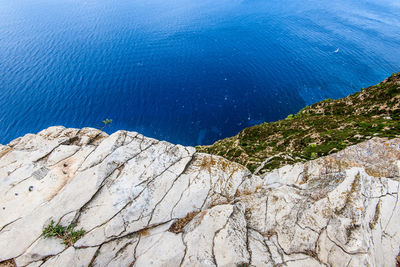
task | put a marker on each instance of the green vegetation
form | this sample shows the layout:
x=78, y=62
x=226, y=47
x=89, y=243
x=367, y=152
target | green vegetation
x=67, y=234
x=106, y=122
x=318, y=130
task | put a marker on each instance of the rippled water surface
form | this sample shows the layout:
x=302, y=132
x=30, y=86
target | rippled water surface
x=186, y=71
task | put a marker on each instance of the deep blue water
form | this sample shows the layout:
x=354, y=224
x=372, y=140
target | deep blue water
x=186, y=71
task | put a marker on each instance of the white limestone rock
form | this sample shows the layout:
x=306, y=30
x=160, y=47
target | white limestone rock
x=143, y=202
x=71, y=257
x=42, y=248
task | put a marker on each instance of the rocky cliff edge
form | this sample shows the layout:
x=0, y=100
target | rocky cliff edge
x=141, y=202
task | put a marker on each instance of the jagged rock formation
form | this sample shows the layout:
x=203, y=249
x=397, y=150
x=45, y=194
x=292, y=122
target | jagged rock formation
x=143, y=202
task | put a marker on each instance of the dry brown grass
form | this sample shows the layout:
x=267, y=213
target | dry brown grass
x=178, y=225
x=207, y=163
x=2, y=153
x=398, y=260
x=8, y=263
x=144, y=232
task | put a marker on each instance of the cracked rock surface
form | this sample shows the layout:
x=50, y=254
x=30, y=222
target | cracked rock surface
x=127, y=192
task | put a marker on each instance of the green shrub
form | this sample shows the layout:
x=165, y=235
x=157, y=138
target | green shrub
x=67, y=234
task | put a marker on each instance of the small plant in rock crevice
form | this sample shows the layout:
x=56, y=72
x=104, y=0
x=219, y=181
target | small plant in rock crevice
x=67, y=233
x=106, y=123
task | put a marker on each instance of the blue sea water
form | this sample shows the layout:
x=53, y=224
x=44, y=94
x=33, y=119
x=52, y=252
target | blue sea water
x=186, y=71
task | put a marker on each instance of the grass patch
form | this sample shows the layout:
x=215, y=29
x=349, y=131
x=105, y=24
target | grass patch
x=68, y=234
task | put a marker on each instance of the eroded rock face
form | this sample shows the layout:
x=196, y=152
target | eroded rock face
x=128, y=191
